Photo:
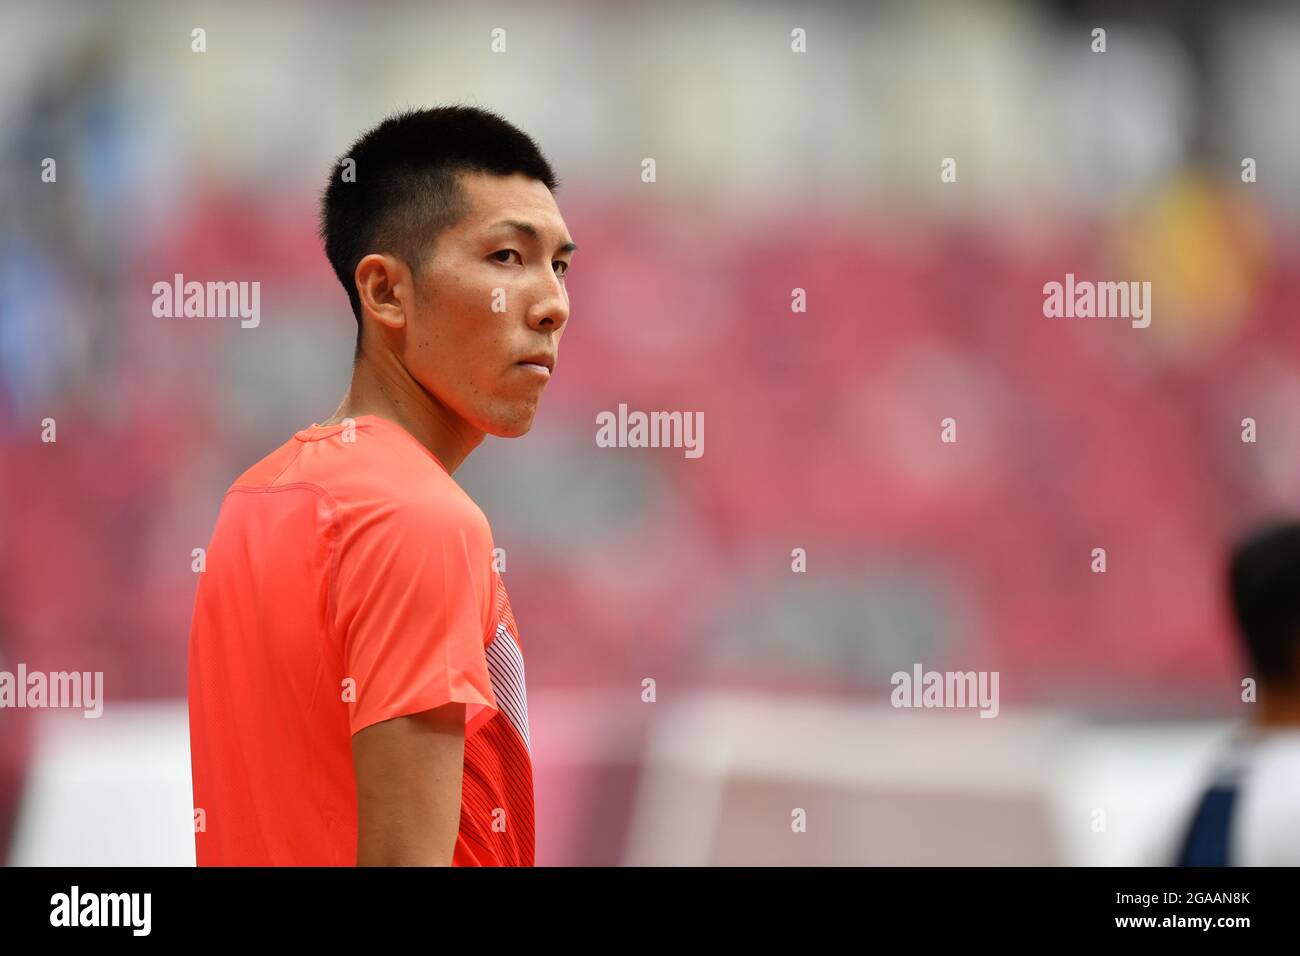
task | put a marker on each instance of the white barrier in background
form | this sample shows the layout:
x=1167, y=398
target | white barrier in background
x=721, y=774
x=113, y=791
x=724, y=774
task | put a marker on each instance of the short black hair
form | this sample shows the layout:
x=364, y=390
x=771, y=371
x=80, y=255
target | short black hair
x=406, y=184
x=1264, y=580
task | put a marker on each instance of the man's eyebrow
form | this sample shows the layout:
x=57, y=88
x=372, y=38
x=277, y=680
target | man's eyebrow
x=528, y=229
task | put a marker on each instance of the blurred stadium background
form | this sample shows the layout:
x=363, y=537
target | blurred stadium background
x=775, y=170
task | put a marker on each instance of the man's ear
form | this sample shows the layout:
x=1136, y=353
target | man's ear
x=384, y=286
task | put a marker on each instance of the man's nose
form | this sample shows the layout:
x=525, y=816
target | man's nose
x=551, y=309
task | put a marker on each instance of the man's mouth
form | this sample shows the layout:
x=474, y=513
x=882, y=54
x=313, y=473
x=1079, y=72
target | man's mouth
x=542, y=362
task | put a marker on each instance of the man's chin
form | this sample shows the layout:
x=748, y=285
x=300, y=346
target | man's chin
x=512, y=428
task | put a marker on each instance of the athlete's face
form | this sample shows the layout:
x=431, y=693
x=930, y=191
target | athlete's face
x=489, y=299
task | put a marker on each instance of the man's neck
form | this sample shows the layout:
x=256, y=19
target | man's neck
x=386, y=389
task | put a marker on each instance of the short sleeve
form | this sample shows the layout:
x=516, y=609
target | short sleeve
x=413, y=598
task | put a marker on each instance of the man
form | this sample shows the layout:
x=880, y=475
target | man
x=1249, y=814
x=356, y=682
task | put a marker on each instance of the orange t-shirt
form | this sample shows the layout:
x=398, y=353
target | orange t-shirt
x=349, y=580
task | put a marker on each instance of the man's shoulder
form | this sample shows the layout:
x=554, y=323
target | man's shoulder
x=354, y=460
x=377, y=472
x=365, y=475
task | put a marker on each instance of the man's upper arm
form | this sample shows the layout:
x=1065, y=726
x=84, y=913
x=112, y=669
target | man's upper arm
x=413, y=602
x=409, y=771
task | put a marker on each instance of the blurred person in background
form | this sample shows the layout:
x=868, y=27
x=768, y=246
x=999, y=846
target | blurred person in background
x=1249, y=814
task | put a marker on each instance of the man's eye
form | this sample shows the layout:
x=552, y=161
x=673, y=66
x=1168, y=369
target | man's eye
x=563, y=267
x=507, y=253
